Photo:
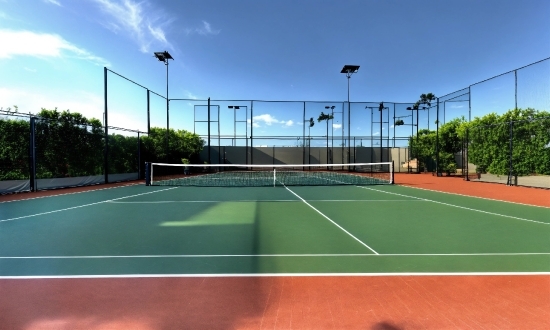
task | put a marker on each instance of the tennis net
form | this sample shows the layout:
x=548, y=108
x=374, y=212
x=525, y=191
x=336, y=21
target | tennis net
x=242, y=175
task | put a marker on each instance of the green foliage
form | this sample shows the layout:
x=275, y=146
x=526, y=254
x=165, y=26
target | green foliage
x=14, y=149
x=450, y=143
x=68, y=144
x=489, y=142
x=399, y=122
x=183, y=144
x=323, y=116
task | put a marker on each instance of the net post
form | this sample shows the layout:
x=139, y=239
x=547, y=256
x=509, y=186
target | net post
x=392, y=172
x=274, y=176
x=148, y=173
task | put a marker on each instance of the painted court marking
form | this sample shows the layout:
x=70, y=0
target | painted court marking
x=487, y=198
x=32, y=277
x=80, y=206
x=329, y=219
x=457, y=206
x=271, y=200
x=282, y=255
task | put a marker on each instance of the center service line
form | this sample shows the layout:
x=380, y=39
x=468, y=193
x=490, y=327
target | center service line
x=329, y=219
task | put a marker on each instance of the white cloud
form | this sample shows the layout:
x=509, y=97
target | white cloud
x=52, y=2
x=456, y=106
x=255, y=123
x=157, y=33
x=267, y=119
x=189, y=95
x=336, y=126
x=376, y=134
x=138, y=20
x=288, y=123
x=392, y=126
x=206, y=29
x=28, y=43
x=29, y=69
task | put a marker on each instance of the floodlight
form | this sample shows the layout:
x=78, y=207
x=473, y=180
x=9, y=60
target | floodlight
x=163, y=56
x=350, y=69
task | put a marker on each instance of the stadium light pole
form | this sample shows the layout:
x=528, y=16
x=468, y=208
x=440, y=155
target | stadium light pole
x=380, y=109
x=400, y=122
x=235, y=121
x=349, y=70
x=164, y=57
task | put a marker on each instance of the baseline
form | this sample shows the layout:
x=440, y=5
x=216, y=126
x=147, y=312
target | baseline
x=31, y=277
x=283, y=255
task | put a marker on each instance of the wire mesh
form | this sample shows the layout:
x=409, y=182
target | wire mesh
x=14, y=149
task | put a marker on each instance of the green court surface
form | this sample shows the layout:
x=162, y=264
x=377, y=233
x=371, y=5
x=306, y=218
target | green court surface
x=140, y=230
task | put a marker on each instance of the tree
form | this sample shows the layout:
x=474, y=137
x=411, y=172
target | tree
x=425, y=99
x=326, y=117
x=14, y=149
x=489, y=139
x=68, y=144
x=183, y=144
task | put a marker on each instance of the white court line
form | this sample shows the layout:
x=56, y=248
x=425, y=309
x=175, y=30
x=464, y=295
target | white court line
x=273, y=200
x=284, y=255
x=337, y=225
x=79, y=206
x=490, y=199
x=71, y=193
x=457, y=206
x=32, y=277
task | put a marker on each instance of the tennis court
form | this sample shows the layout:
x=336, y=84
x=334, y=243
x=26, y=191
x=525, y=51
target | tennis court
x=140, y=230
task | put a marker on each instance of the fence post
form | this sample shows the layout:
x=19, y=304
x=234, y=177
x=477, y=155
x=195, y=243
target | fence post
x=437, y=173
x=32, y=155
x=209, y=151
x=106, y=151
x=467, y=153
x=139, y=156
x=511, y=166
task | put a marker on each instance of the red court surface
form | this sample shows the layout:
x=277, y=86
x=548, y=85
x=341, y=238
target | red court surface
x=369, y=302
x=457, y=185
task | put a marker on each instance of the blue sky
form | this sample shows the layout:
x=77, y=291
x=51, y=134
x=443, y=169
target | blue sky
x=52, y=54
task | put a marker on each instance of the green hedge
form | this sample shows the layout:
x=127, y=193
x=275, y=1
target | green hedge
x=68, y=145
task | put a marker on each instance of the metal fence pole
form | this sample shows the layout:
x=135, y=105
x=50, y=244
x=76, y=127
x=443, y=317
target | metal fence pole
x=148, y=112
x=209, y=151
x=32, y=154
x=437, y=140
x=510, y=161
x=106, y=151
x=139, y=155
x=251, y=132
